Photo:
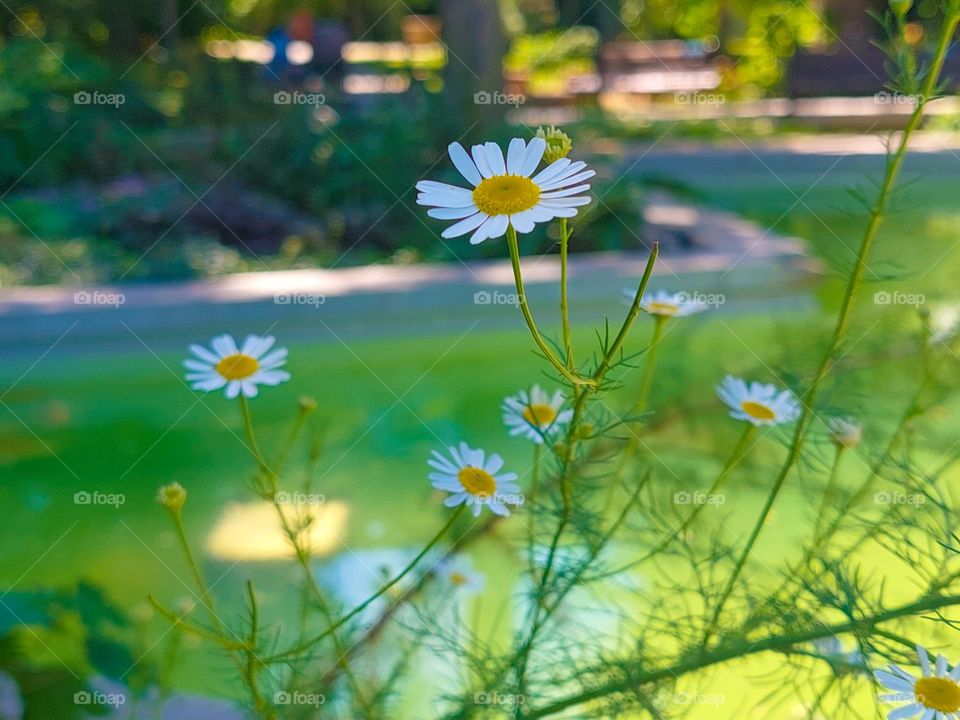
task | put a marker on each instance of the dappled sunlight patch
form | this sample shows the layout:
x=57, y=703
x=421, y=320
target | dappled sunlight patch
x=252, y=531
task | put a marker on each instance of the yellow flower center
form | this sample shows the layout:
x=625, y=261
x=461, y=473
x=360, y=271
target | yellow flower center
x=758, y=411
x=477, y=482
x=506, y=194
x=458, y=578
x=936, y=693
x=237, y=367
x=539, y=416
x=658, y=308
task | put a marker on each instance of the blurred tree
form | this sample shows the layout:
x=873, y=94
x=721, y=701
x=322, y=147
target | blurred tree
x=473, y=32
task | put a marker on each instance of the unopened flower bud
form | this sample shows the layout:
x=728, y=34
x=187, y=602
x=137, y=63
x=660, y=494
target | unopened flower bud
x=172, y=497
x=845, y=433
x=901, y=7
x=559, y=143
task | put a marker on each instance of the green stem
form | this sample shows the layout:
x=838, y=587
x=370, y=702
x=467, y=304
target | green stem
x=828, y=494
x=564, y=306
x=514, y=246
x=646, y=382
x=725, y=653
x=252, y=440
x=631, y=315
x=894, y=165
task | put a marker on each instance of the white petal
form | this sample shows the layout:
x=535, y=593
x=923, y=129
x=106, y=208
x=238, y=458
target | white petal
x=204, y=354
x=198, y=366
x=565, y=202
x=497, y=226
x=481, y=161
x=457, y=213
x=924, y=660
x=533, y=156
x=567, y=180
x=255, y=346
x=516, y=152
x=464, y=226
x=213, y=383
x=566, y=192
x=455, y=499
x=482, y=232
x=233, y=389
x=464, y=164
x=224, y=345
x=274, y=359
x=495, y=158
x=249, y=388
x=551, y=171
x=522, y=222
x=905, y=712
x=272, y=377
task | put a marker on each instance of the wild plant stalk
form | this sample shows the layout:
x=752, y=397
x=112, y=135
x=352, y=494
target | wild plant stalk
x=809, y=398
x=581, y=393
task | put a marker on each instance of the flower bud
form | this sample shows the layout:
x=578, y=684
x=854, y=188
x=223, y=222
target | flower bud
x=845, y=433
x=559, y=143
x=901, y=7
x=307, y=403
x=172, y=497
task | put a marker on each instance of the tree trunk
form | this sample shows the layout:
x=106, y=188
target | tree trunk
x=473, y=76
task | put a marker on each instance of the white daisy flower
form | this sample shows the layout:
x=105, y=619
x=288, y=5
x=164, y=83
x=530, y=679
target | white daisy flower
x=758, y=403
x=458, y=572
x=472, y=479
x=933, y=696
x=678, y=304
x=845, y=432
x=503, y=192
x=535, y=415
x=239, y=369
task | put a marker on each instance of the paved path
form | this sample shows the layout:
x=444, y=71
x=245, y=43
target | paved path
x=404, y=301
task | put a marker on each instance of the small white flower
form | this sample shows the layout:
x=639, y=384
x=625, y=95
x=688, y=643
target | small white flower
x=471, y=478
x=758, y=403
x=535, y=415
x=934, y=696
x=845, y=432
x=678, y=304
x=458, y=572
x=239, y=369
x=503, y=193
